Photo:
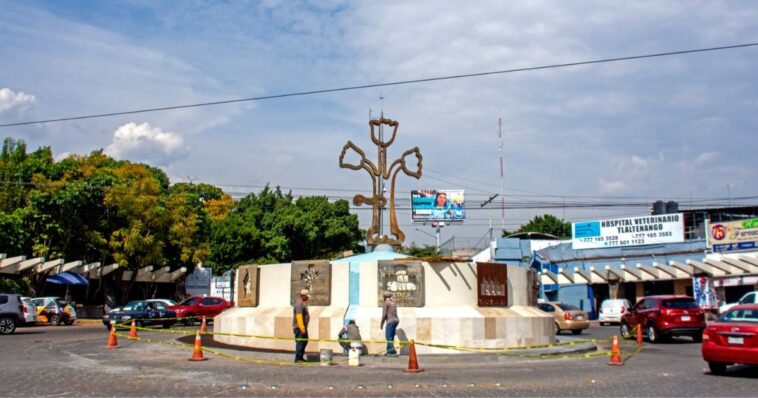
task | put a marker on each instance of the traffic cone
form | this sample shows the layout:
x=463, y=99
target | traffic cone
x=197, y=352
x=412, y=360
x=133, y=331
x=639, y=335
x=203, y=326
x=616, y=359
x=112, y=340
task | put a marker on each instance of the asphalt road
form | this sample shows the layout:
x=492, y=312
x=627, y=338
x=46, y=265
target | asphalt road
x=73, y=361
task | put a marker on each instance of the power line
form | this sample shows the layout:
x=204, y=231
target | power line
x=396, y=83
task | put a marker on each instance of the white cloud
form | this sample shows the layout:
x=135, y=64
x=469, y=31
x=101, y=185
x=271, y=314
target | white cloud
x=705, y=157
x=612, y=186
x=146, y=143
x=10, y=99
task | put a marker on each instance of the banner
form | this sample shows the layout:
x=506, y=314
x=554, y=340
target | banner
x=705, y=296
x=631, y=231
x=438, y=205
x=733, y=235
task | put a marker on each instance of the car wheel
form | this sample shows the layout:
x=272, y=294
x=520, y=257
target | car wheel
x=54, y=319
x=624, y=330
x=576, y=331
x=653, y=335
x=166, y=325
x=717, y=368
x=7, y=325
x=189, y=321
x=70, y=322
x=557, y=329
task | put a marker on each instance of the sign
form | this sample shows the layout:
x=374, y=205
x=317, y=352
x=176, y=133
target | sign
x=631, y=231
x=733, y=235
x=247, y=286
x=705, y=295
x=405, y=280
x=198, y=283
x=316, y=276
x=492, y=284
x=438, y=205
x=221, y=286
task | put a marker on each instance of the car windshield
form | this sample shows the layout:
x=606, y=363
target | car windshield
x=189, y=301
x=740, y=315
x=612, y=303
x=134, y=306
x=682, y=303
x=567, y=307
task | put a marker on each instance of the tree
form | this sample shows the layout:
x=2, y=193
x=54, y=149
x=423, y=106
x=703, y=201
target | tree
x=547, y=224
x=420, y=251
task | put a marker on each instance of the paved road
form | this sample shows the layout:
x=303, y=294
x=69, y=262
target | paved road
x=47, y=361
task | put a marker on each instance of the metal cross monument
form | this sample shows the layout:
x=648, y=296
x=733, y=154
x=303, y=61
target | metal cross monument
x=379, y=173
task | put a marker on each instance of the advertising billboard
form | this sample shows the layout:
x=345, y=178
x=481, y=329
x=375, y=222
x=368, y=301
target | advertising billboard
x=733, y=235
x=437, y=205
x=630, y=231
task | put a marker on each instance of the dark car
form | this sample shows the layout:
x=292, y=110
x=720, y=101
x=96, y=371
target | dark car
x=143, y=313
x=11, y=312
x=661, y=317
x=733, y=338
x=194, y=308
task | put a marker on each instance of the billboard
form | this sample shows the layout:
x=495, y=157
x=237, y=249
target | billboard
x=437, y=205
x=733, y=235
x=630, y=231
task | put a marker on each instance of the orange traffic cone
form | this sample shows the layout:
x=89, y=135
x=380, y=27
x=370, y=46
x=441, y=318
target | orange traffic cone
x=616, y=359
x=133, y=331
x=639, y=335
x=412, y=360
x=197, y=352
x=112, y=341
x=203, y=326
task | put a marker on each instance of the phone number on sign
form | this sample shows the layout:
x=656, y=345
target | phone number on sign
x=633, y=239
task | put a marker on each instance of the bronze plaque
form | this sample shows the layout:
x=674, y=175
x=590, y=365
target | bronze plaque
x=404, y=279
x=492, y=283
x=247, y=286
x=314, y=275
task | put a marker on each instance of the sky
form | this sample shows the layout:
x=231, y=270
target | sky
x=574, y=139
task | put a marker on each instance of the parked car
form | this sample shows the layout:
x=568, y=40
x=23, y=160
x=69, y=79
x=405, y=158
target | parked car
x=11, y=312
x=194, y=308
x=611, y=310
x=747, y=298
x=166, y=302
x=143, y=312
x=30, y=311
x=567, y=316
x=661, y=317
x=54, y=310
x=733, y=338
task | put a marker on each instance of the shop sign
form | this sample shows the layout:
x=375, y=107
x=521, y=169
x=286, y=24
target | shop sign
x=630, y=231
x=733, y=235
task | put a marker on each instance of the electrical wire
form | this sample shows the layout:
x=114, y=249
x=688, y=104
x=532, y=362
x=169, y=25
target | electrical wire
x=388, y=84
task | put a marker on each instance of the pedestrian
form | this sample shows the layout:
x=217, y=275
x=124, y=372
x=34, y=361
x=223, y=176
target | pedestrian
x=352, y=334
x=389, y=315
x=300, y=321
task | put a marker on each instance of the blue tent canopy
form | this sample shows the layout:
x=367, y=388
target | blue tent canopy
x=68, y=278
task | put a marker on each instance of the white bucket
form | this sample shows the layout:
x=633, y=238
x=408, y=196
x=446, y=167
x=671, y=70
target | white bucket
x=326, y=357
x=354, y=357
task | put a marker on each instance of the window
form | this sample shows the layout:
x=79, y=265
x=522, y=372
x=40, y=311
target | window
x=682, y=303
x=207, y=301
x=568, y=307
x=189, y=301
x=748, y=298
x=3, y=299
x=547, y=308
x=159, y=306
x=750, y=316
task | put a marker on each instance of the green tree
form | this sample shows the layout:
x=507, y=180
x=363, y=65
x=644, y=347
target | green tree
x=420, y=251
x=546, y=224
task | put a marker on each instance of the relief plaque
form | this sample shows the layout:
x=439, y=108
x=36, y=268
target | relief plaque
x=404, y=279
x=492, y=284
x=247, y=286
x=314, y=275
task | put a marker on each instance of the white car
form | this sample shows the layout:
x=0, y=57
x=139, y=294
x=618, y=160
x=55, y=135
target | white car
x=748, y=298
x=611, y=310
x=30, y=311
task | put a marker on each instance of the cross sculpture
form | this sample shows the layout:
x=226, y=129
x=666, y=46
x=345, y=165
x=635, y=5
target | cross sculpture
x=380, y=173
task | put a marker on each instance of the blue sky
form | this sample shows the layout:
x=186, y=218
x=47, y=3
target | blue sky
x=669, y=128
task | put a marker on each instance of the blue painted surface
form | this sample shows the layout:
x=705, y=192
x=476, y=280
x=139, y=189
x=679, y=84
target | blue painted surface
x=354, y=279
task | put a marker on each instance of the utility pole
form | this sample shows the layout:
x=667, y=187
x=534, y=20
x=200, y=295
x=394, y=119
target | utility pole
x=502, y=173
x=489, y=212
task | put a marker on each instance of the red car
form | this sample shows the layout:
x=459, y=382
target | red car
x=664, y=316
x=732, y=339
x=195, y=308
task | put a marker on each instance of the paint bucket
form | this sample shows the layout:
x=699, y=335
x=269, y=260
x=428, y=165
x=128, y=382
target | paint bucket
x=354, y=357
x=326, y=357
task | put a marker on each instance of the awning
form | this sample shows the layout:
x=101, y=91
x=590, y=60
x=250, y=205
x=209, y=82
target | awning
x=68, y=278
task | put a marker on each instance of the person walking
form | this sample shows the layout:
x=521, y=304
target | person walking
x=300, y=321
x=389, y=315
